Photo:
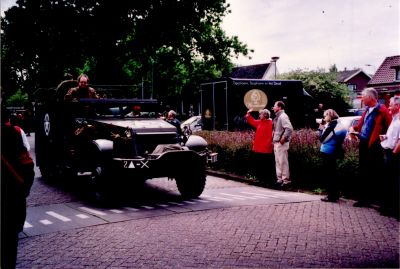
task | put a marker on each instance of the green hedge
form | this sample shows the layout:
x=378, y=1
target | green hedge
x=235, y=156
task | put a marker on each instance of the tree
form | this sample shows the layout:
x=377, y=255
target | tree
x=323, y=87
x=171, y=45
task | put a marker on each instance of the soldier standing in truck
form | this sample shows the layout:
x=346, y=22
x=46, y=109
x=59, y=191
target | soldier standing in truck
x=82, y=91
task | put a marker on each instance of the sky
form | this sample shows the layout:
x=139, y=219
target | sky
x=313, y=34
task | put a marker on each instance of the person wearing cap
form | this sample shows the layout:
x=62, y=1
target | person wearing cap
x=262, y=145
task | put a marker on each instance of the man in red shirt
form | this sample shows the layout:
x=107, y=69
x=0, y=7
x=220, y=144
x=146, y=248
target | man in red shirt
x=374, y=122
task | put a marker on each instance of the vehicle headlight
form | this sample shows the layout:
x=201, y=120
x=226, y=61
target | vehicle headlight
x=128, y=133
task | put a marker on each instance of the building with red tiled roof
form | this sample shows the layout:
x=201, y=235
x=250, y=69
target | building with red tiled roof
x=387, y=78
x=356, y=80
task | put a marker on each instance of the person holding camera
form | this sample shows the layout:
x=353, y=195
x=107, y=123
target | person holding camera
x=332, y=135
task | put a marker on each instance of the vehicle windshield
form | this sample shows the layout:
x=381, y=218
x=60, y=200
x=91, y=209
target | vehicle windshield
x=117, y=108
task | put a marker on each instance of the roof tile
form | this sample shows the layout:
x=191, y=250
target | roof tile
x=386, y=73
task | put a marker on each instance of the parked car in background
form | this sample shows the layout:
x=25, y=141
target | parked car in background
x=349, y=121
x=346, y=121
x=193, y=124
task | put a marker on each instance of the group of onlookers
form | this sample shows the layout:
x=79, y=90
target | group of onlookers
x=378, y=133
x=271, y=139
x=379, y=153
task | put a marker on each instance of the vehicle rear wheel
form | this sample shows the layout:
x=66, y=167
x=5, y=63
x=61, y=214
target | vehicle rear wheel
x=191, y=188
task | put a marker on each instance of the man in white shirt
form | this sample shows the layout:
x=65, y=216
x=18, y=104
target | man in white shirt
x=390, y=195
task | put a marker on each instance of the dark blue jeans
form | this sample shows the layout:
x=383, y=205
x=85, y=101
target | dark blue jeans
x=330, y=174
x=371, y=167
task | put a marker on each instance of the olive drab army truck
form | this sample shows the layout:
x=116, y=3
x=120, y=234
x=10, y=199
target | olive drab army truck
x=115, y=139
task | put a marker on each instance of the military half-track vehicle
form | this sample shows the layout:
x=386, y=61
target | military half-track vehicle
x=115, y=140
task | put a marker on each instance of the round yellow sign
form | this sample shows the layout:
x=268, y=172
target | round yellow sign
x=255, y=99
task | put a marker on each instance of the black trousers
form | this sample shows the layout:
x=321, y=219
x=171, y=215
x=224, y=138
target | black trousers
x=330, y=174
x=371, y=167
x=13, y=214
x=391, y=181
x=264, y=167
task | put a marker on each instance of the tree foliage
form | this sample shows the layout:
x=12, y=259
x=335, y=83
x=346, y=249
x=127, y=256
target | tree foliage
x=323, y=87
x=171, y=44
x=18, y=99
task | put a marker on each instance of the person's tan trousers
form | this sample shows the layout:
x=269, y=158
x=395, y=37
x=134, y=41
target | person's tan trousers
x=282, y=162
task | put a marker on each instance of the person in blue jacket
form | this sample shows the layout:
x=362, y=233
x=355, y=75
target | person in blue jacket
x=332, y=135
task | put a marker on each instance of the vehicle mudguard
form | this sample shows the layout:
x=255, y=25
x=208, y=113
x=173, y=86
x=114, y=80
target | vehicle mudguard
x=104, y=145
x=196, y=143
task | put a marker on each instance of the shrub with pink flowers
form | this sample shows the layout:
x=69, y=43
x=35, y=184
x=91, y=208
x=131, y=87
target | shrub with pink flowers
x=235, y=156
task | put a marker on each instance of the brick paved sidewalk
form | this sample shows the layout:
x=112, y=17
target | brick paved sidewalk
x=308, y=234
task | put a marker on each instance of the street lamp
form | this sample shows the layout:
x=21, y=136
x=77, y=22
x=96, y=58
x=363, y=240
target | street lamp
x=274, y=60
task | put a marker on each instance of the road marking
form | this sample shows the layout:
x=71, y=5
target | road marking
x=27, y=225
x=82, y=216
x=95, y=212
x=217, y=199
x=237, y=197
x=147, y=207
x=262, y=195
x=46, y=222
x=116, y=211
x=175, y=203
x=201, y=201
x=58, y=216
x=162, y=205
x=131, y=208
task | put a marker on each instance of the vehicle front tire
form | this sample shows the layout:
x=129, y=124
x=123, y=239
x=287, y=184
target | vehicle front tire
x=191, y=188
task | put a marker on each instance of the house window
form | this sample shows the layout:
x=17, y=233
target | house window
x=352, y=87
x=397, y=73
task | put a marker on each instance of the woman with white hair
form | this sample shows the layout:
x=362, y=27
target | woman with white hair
x=262, y=145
